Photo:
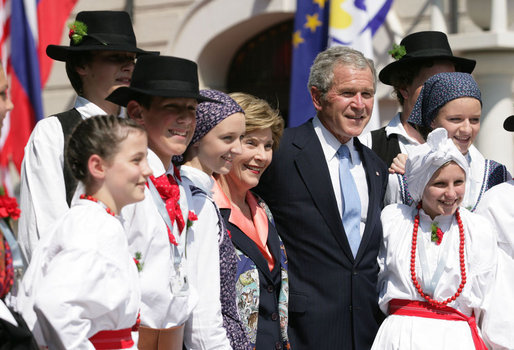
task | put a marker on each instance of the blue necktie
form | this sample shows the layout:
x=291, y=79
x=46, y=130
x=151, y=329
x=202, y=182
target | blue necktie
x=350, y=199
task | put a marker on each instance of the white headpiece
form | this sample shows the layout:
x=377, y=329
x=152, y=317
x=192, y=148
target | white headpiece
x=425, y=159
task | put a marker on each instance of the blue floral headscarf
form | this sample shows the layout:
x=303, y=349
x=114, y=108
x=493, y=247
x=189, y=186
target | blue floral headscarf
x=210, y=114
x=437, y=91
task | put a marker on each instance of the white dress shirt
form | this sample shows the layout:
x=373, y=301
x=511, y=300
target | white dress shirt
x=42, y=191
x=330, y=145
x=204, y=330
x=147, y=234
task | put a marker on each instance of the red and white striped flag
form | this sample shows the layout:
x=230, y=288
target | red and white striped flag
x=26, y=28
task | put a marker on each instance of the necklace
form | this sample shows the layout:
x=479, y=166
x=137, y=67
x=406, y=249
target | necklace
x=93, y=199
x=417, y=285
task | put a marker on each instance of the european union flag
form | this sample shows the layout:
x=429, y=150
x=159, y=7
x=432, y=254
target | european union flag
x=309, y=38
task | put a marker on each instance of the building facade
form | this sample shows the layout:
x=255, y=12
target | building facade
x=245, y=45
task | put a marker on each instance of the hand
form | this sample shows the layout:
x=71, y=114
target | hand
x=398, y=164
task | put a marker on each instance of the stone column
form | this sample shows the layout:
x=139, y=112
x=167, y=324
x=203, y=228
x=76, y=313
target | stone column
x=437, y=20
x=495, y=75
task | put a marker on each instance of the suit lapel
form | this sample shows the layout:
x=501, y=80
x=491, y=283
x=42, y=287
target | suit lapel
x=313, y=170
x=247, y=246
x=274, y=245
x=373, y=176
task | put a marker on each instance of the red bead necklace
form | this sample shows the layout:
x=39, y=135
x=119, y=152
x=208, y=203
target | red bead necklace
x=91, y=198
x=417, y=285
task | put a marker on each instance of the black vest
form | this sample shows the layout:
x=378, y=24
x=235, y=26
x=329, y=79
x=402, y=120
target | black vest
x=387, y=148
x=16, y=337
x=69, y=120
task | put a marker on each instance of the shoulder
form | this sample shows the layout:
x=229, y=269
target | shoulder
x=396, y=218
x=370, y=158
x=378, y=133
x=481, y=235
x=367, y=138
x=395, y=211
x=497, y=172
x=202, y=204
x=48, y=128
x=503, y=190
x=296, y=137
x=478, y=225
x=89, y=226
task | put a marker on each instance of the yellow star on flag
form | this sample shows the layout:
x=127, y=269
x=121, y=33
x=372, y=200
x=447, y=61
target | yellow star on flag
x=297, y=38
x=321, y=3
x=313, y=22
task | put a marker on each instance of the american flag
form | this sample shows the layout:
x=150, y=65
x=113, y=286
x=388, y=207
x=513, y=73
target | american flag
x=26, y=28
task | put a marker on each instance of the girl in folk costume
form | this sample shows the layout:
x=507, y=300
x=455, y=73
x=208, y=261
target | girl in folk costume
x=262, y=281
x=81, y=289
x=212, y=257
x=438, y=260
x=453, y=101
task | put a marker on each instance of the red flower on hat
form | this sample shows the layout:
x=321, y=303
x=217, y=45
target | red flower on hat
x=77, y=32
x=397, y=52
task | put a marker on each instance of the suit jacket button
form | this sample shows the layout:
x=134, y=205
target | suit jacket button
x=270, y=288
x=274, y=316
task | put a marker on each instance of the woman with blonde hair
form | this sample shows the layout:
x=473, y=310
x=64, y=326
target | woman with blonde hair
x=262, y=283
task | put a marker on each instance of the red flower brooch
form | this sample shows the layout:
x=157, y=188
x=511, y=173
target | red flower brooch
x=137, y=260
x=191, y=217
x=8, y=206
x=437, y=233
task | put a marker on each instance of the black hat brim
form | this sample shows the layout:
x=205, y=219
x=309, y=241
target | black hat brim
x=61, y=53
x=508, y=124
x=463, y=65
x=122, y=95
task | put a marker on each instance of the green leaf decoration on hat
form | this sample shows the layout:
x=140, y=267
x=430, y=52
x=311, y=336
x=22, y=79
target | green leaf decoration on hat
x=78, y=30
x=397, y=52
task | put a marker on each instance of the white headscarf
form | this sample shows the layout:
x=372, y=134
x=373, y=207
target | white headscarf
x=426, y=159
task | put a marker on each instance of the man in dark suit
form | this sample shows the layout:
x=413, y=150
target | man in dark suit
x=333, y=273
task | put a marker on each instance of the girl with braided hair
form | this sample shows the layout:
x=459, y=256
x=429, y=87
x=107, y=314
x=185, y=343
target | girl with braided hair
x=81, y=289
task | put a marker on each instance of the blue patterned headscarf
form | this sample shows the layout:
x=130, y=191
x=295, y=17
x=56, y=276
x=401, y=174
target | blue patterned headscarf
x=437, y=91
x=210, y=114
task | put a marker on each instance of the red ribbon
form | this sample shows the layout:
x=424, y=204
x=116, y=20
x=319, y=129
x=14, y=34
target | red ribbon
x=170, y=193
x=422, y=309
x=118, y=339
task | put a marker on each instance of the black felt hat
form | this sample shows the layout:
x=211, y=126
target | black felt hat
x=99, y=31
x=423, y=45
x=508, y=124
x=162, y=76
